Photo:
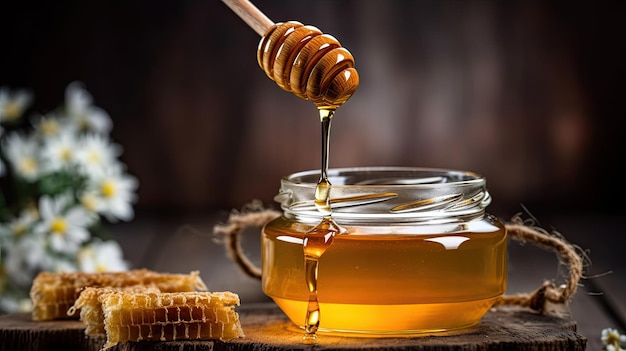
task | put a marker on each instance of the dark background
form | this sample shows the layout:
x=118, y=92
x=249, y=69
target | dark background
x=528, y=93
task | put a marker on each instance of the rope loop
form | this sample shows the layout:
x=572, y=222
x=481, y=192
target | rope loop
x=547, y=294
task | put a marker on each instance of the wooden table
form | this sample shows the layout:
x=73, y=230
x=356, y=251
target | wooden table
x=267, y=329
x=184, y=243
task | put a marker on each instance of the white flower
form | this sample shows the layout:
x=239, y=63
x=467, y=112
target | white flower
x=60, y=264
x=101, y=256
x=90, y=201
x=52, y=233
x=87, y=117
x=611, y=338
x=51, y=125
x=17, y=228
x=59, y=152
x=13, y=104
x=22, y=152
x=113, y=193
x=95, y=153
x=3, y=168
x=65, y=227
x=25, y=258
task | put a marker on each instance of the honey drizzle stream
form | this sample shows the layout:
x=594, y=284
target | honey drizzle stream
x=319, y=238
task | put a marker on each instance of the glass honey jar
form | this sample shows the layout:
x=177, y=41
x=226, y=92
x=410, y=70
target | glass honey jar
x=417, y=252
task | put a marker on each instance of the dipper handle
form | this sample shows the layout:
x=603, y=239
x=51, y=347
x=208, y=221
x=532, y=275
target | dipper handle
x=251, y=15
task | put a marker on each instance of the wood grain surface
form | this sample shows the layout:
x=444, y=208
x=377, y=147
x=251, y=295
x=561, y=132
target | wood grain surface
x=267, y=329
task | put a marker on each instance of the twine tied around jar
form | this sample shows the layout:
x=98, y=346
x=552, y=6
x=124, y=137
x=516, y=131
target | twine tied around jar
x=547, y=298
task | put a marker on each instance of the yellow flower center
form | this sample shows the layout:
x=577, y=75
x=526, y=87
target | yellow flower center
x=612, y=338
x=12, y=111
x=66, y=154
x=108, y=188
x=58, y=226
x=49, y=127
x=89, y=202
x=28, y=165
x=94, y=157
x=19, y=229
x=101, y=268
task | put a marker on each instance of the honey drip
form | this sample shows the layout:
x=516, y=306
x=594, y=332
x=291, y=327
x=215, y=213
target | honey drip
x=313, y=66
x=315, y=244
x=321, y=237
x=322, y=191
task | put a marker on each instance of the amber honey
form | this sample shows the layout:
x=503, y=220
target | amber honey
x=402, y=264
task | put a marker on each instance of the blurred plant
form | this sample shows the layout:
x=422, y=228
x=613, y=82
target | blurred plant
x=60, y=176
x=612, y=339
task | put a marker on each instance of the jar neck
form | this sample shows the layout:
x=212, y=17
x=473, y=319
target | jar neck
x=388, y=195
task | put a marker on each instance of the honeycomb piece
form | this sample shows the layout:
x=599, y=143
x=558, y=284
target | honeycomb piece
x=170, y=316
x=88, y=303
x=53, y=294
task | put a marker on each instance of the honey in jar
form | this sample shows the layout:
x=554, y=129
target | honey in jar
x=415, y=251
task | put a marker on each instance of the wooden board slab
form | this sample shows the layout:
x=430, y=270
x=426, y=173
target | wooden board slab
x=267, y=329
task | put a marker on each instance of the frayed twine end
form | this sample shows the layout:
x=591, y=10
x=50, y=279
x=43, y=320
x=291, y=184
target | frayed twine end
x=548, y=298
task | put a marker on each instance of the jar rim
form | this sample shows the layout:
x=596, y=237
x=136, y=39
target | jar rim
x=382, y=194
x=380, y=176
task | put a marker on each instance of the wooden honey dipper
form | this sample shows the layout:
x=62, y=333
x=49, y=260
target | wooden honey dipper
x=301, y=59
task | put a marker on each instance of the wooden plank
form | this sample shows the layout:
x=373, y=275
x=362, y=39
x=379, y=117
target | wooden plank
x=19, y=332
x=266, y=329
